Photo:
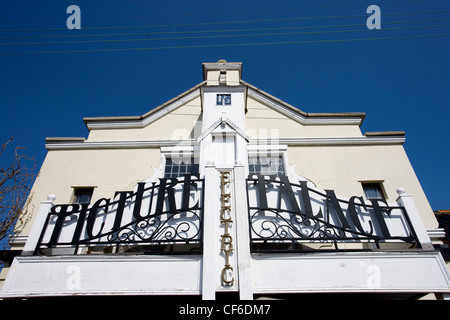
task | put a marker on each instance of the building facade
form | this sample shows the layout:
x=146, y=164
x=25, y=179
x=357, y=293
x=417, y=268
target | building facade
x=226, y=188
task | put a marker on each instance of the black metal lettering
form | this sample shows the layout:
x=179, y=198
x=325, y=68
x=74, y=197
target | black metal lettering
x=163, y=188
x=61, y=217
x=186, y=193
x=331, y=196
x=138, y=201
x=379, y=215
x=93, y=216
x=80, y=223
x=262, y=192
x=286, y=186
x=354, y=214
x=120, y=206
x=307, y=201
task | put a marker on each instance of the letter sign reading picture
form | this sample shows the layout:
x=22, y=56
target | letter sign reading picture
x=74, y=21
x=153, y=213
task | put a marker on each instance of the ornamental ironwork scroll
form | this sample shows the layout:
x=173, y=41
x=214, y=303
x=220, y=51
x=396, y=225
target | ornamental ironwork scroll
x=158, y=214
x=287, y=216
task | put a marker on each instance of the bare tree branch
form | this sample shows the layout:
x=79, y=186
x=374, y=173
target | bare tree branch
x=15, y=184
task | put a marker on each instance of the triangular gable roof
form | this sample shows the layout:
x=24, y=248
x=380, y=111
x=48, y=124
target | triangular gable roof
x=258, y=94
x=223, y=121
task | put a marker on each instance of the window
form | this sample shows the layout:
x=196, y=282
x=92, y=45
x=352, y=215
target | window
x=179, y=167
x=373, y=190
x=266, y=165
x=83, y=195
x=223, y=99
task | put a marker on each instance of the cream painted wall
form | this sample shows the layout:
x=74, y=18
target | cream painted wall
x=111, y=170
x=331, y=167
x=233, y=78
x=106, y=170
x=341, y=168
x=212, y=77
x=260, y=116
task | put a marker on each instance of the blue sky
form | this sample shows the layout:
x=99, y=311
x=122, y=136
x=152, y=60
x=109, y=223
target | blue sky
x=401, y=80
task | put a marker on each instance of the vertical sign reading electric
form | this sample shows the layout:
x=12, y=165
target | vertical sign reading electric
x=226, y=219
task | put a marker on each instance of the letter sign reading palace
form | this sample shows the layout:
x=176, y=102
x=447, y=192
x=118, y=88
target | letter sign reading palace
x=166, y=217
x=287, y=216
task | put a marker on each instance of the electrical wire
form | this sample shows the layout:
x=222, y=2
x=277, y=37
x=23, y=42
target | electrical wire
x=228, y=22
x=218, y=30
x=218, y=36
x=203, y=13
x=229, y=45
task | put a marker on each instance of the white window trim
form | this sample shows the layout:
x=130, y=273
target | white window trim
x=271, y=150
x=379, y=182
x=168, y=152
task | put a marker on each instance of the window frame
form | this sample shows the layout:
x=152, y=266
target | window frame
x=267, y=151
x=192, y=162
x=168, y=153
x=76, y=189
x=372, y=184
x=228, y=95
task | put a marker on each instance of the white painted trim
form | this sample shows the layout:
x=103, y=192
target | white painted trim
x=210, y=234
x=18, y=239
x=437, y=233
x=276, y=149
x=406, y=200
x=407, y=271
x=243, y=239
x=38, y=225
x=339, y=141
x=178, y=148
x=132, y=144
x=125, y=274
x=224, y=120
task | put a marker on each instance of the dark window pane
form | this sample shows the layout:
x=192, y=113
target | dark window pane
x=83, y=195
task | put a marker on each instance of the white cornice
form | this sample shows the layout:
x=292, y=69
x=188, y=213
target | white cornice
x=438, y=233
x=332, y=141
x=89, y=145
x=222, y=65
x=339, y=141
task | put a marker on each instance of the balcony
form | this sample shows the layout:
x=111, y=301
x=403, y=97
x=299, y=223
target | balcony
x=292, y=217
x=282, y=236
x=163, y=218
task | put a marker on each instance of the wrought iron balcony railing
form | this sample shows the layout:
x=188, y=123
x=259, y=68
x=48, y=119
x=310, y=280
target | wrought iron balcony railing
x=163, y=217
x=286, y=216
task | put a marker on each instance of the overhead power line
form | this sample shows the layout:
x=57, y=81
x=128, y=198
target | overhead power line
x=215, y=30
x=222, y=12
x=219, y=36
x=287, y=32
x=228, y=22
x=230, y=45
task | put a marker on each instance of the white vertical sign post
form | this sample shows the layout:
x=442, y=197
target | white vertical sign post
x=38, y=225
